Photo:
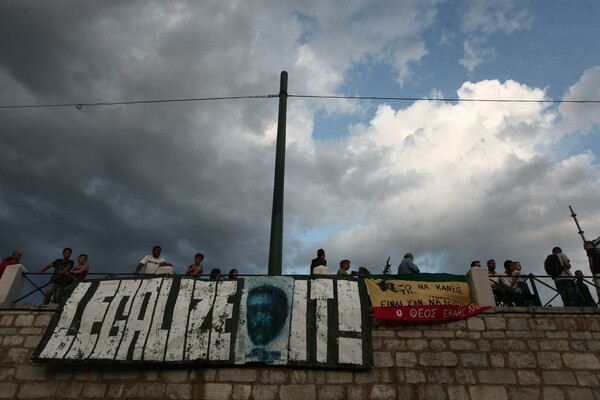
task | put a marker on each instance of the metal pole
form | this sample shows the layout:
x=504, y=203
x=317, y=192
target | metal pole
x=275, y=249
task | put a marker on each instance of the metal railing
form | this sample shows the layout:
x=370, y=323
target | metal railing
x=537, y=288
x=533, y=297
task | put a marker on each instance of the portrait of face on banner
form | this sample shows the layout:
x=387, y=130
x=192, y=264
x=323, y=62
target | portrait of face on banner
x=264, y=324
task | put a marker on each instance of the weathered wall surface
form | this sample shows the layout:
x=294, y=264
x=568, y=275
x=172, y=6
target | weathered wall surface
x=504, y=353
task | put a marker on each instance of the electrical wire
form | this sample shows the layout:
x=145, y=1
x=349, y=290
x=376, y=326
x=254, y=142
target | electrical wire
x=79, y=106
x=457, y=100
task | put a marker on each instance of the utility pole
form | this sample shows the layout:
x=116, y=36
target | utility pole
x=276, y=246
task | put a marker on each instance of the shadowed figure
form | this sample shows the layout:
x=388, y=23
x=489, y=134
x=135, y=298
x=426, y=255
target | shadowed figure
x=267, y=310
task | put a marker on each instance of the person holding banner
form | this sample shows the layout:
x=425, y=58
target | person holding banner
x=407, y=266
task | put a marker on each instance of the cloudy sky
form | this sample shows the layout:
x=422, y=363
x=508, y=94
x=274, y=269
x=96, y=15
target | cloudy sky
x=451, y=181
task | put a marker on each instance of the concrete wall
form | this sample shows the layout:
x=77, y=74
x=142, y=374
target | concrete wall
x=504, y=353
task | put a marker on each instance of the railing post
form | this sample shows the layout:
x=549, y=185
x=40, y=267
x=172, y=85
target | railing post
x=11, y=283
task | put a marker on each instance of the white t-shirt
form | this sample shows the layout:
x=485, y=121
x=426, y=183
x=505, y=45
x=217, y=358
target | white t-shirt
x=151, y=264
x=566, y=273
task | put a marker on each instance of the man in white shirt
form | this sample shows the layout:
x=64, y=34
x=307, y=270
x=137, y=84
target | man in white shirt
x=151, y=262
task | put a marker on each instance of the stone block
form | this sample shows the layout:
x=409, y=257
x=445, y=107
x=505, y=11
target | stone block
x=552, y=393
x=31, y=342
x=473, y=360
x=16, y=356
x=440, y=376
x=495, y=323
x=439, y=334
x=494, y=335
x=580, y=393
x=7, y=320
x=587, y=378
x=24, y=320
x=178, y=391
x=441, y=359
x=457, y=393
x=414, y=376
x=393, y=344
x=363, y=377
x=566, y=324
x=7, y=390
x=31, y=373
x=332, y=392
x=383, y=392
x=154, y=390
x=31, y=331
x=582, y=335
x=299, y=376
x=437, y=345
x=585, y=361
x=339, y=376
x=298, y=392
x=504, y=376
x=42, y=320
x=542, y=324
x=559, y=378
x=273, y=376
x=240, y=392
x=12, y=340
x=355, y=393
x=175, y=375
x=497, y=360
x=94, y=391
x=578, y=345
x=38, y=390
x=529, y=393
x=6, y=373
x=527, y=378
x=509, y=345
x=115, y=390
x=382, y=359
x=518, y=324
x=488, y=392
x=547, y=360
x=212, y=391
x=475, y=324
x=431, y=392
x=553, y=345
x=406, y=360
x=557, y=335
x=408, y=333
x=416, y=344
x=460, y=344
x=237, y=375
x=520, y=360
x=464, y=376
x=266, y=392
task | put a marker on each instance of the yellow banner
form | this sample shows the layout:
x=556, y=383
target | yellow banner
x=387, y=291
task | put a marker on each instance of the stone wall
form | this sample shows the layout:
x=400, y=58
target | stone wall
x=504, y=353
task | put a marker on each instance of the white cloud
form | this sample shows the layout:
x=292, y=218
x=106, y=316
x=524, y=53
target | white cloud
x=483, y=19
x=583, y=117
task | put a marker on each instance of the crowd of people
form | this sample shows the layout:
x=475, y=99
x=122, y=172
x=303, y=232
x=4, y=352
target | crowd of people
x=509, y=287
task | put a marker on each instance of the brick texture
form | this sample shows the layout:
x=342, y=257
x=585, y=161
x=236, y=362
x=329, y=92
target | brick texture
x=499, y=354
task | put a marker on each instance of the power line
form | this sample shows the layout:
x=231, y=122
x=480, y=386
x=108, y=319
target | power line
x=79, y=106
x=456, y=100
x=306, y=96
